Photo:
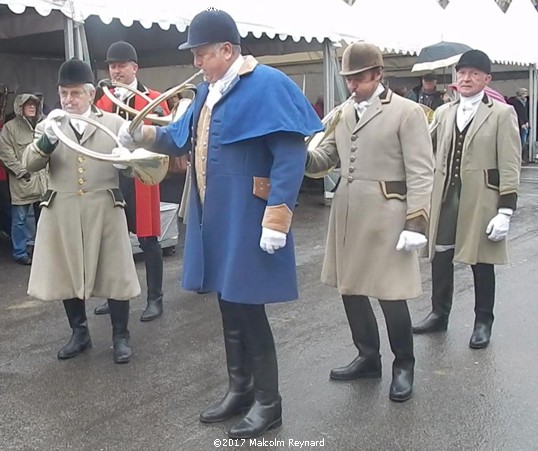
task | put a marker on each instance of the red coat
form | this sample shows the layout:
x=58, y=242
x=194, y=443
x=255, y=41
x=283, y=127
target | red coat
x=145, y=218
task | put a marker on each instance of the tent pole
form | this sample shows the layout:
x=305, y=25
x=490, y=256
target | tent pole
x=69, y=41
x=533, y=99
x=328, y=103
x=328, y=76
x=84, y=43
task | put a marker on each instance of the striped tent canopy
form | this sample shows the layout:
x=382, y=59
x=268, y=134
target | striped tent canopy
x=503, y=4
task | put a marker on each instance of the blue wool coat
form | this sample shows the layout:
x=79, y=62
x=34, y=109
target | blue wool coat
x=257, y=130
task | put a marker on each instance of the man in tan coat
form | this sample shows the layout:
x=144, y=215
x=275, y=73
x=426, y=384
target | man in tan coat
x=82, y=244
x=379, y=214
x=474, y=195
x=26, y=189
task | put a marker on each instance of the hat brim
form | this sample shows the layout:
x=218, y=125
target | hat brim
x=119, y=60
x=188, y=45
x=360, y=71
x=472, y=66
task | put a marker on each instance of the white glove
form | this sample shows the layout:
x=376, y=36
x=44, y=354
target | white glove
x=128, y=140
x=57, y=116
x=272, y=240
x=411, y=241
x=498, y=227
x=120, y=167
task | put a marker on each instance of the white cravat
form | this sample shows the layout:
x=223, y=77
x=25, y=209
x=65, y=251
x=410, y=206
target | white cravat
x=467, y=109
x=80, y=126
x=123, y=93
x=217, y=88
x=361, y=107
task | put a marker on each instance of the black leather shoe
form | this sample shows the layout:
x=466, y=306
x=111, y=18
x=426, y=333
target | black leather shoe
x=102, y=309
x=359, y=368
x=481, y=336
x=259, y=419
x=229, y=406
x=152, y=311
x=434, y=322
x=24, y=260
x=401, y=387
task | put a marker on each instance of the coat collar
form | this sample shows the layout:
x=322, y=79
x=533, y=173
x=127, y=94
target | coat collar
x=373, y=110
x=483, y=112
x=90, y=129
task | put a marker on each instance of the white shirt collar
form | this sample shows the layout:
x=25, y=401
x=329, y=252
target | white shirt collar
x=362, y=106
x=471, y=102
x=231, y=73
x=80, y=126
x=217, y=88
x=467, y=109
x=123, y=93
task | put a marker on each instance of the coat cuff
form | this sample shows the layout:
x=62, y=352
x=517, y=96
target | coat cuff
x=508, y=200
x=45, y=146
x=277, y=217
x=417, y=222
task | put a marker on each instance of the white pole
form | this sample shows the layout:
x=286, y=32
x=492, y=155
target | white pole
x=69, y=41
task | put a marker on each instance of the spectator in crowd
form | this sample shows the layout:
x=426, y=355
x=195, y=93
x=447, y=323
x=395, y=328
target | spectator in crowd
x=427, y=94
x=320, y=107
x=26, y=189
x=521, y=105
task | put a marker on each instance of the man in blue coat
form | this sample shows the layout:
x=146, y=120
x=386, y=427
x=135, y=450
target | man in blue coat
x=248, y=159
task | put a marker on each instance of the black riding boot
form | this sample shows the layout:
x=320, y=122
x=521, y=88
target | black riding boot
x=266, y=412
x=119, y=317
x=401, y=342
x=153, y=259
x=80, y=339
x=484, y=292
x=442, y=293
x=365, y=335
x=240, y=394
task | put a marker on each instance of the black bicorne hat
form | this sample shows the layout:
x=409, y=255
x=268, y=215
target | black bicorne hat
x=210, y=27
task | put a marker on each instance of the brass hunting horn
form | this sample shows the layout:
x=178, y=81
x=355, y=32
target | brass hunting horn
x=178, y=111
x=147, y=112
x=148, y=167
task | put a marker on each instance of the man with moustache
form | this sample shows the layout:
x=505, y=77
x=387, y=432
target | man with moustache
x=474, y=195
x=379, y=214
x=82, y=245
x=142, y=201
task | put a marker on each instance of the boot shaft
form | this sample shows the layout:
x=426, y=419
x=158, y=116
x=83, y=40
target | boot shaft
x=442, y=282
x=484, y=289
x=119, y=317
x=363, y=325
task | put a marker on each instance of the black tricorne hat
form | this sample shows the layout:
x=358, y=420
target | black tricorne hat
x=121, y=51
x=475, y=59
x=209, y=27
x=75, y=72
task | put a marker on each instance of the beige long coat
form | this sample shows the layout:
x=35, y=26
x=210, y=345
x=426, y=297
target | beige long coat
x=490, y=167
x=82, y=244
x=387, y=174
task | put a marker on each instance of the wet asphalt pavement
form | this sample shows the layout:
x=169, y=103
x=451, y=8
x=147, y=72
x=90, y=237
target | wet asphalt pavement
x=463, y=399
